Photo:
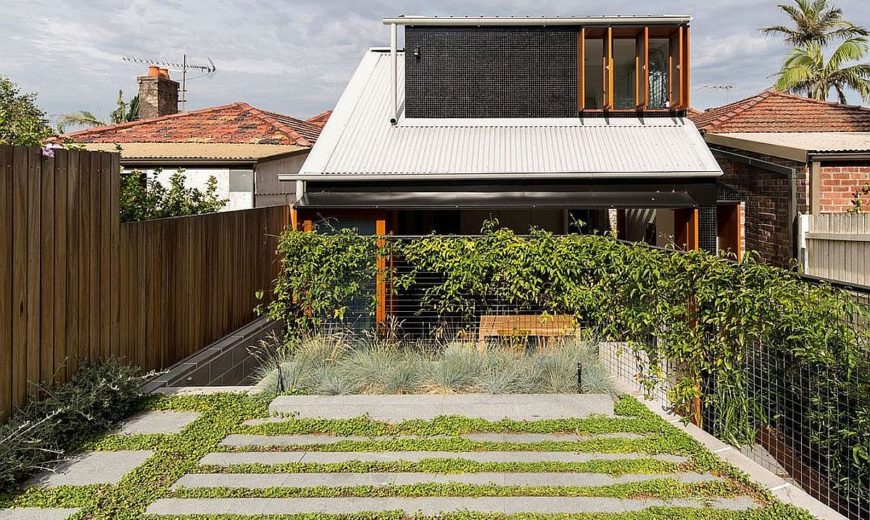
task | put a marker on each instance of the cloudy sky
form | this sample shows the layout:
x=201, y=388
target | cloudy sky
x=295, y=57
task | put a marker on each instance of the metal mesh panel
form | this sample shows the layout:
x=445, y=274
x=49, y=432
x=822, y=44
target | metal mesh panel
x=805, y=408
x=490, y=72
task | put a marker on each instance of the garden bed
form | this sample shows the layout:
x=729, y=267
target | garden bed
x=345, y=364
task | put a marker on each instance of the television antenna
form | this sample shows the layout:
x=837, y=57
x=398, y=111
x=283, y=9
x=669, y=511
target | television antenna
x=726, y=90
x=184, y=65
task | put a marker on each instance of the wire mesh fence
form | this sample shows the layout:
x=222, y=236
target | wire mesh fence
x=809, y=416
x=813, y=426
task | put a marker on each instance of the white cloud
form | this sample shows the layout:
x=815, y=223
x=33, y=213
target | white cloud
x=296, y=56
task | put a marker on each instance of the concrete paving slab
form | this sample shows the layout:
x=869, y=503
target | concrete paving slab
x=277, y=480
x=98, y=467
x=37, y=513
x=312, y=439
x=491, y=407
x=530, y=438
x=326, y=457
x=157, y=422
x=755, y=471
x=204, y=390
x=798, y=497
x=316, y=439
x=425, y=506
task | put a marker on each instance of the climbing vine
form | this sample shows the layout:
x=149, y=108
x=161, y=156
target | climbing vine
x=705, y=315
x=858, y=200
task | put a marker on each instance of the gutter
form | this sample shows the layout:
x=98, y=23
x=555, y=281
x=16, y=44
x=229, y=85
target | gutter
x=492, y=176
x=479, y=21
x=778, y=169
x=226, y=163
x=839, y=156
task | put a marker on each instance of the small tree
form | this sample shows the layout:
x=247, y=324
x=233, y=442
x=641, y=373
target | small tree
x=21, y=121
x=146, y=199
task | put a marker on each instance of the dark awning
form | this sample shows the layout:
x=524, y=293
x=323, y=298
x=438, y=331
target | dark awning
x=495, y=199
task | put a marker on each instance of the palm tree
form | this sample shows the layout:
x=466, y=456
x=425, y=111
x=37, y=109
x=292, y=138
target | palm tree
x=807, y=72
x=815, y=22
x=125, y=112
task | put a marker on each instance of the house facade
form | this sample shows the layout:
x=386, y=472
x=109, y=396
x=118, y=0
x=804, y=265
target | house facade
x=784, y=156
x=243, y=147
x=534, y=121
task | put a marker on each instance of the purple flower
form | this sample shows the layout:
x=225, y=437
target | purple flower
x=48, y=150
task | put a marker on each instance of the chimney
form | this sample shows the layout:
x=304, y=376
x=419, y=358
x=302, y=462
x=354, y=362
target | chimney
x=158, y=94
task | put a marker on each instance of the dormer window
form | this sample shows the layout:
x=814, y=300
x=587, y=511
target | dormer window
x=633, y=68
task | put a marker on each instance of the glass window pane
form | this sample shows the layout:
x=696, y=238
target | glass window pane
x=659, y=52
x=624, y=73
x=592, y=78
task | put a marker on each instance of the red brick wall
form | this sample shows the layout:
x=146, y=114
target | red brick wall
x=839, y=183
x=766, y=226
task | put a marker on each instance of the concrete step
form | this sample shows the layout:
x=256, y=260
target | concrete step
x=37, y=513
x=395, y=408
x=278, y=480
x=425, y=506
x=316, y=439
x=326, y=457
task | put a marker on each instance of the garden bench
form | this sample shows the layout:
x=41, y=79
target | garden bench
x=524, y=326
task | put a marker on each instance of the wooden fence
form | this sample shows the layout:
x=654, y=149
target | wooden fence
x=838, y=247
x=76, y=283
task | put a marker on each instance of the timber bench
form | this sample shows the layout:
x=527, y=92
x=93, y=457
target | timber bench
x=524, y=326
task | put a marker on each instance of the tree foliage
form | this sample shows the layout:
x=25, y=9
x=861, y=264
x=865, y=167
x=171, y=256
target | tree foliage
x=806, y=70
x=148, y=198
x=815, y=22
x=22, y=122
x=124, y=112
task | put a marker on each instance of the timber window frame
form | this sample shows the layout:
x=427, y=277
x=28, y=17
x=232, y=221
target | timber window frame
x=611, y=92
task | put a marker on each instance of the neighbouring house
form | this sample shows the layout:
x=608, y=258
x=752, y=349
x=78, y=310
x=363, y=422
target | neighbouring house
x=783, y=156
x=535, y=121
x=243, y=147
x=321, y=118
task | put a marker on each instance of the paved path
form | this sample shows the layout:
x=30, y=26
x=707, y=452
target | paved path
x=426, y=506
x=273, y=480
x=530, y=407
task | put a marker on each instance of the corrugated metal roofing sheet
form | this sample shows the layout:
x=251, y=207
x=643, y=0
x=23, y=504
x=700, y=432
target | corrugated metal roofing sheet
x=820, y=142
x=359, y=140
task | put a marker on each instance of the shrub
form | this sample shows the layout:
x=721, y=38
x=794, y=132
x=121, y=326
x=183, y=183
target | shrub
x=40, y=433
x=150, y=199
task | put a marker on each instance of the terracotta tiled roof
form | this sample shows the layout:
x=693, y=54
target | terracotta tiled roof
x=321, y=118
x=238, y=123
x=773, y=111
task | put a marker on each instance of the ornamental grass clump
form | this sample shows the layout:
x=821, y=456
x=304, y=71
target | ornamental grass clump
x=336, y=365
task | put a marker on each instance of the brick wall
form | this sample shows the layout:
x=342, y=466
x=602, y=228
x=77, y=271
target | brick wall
x=766, y=227
x=839, y=183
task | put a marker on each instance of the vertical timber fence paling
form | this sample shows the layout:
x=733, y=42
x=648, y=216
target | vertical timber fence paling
x=77, y=284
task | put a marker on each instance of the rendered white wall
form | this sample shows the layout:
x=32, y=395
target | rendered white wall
x=198, y=178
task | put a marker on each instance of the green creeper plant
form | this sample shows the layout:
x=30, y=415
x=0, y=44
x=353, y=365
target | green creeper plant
x=705, y=316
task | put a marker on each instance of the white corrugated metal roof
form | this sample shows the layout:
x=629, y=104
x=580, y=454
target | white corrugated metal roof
x=359, y=141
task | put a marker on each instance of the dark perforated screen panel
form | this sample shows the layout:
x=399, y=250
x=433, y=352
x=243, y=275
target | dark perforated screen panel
x=490, y=72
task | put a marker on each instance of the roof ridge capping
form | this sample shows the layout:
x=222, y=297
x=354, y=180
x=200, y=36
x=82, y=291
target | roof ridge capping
x=540, y=20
